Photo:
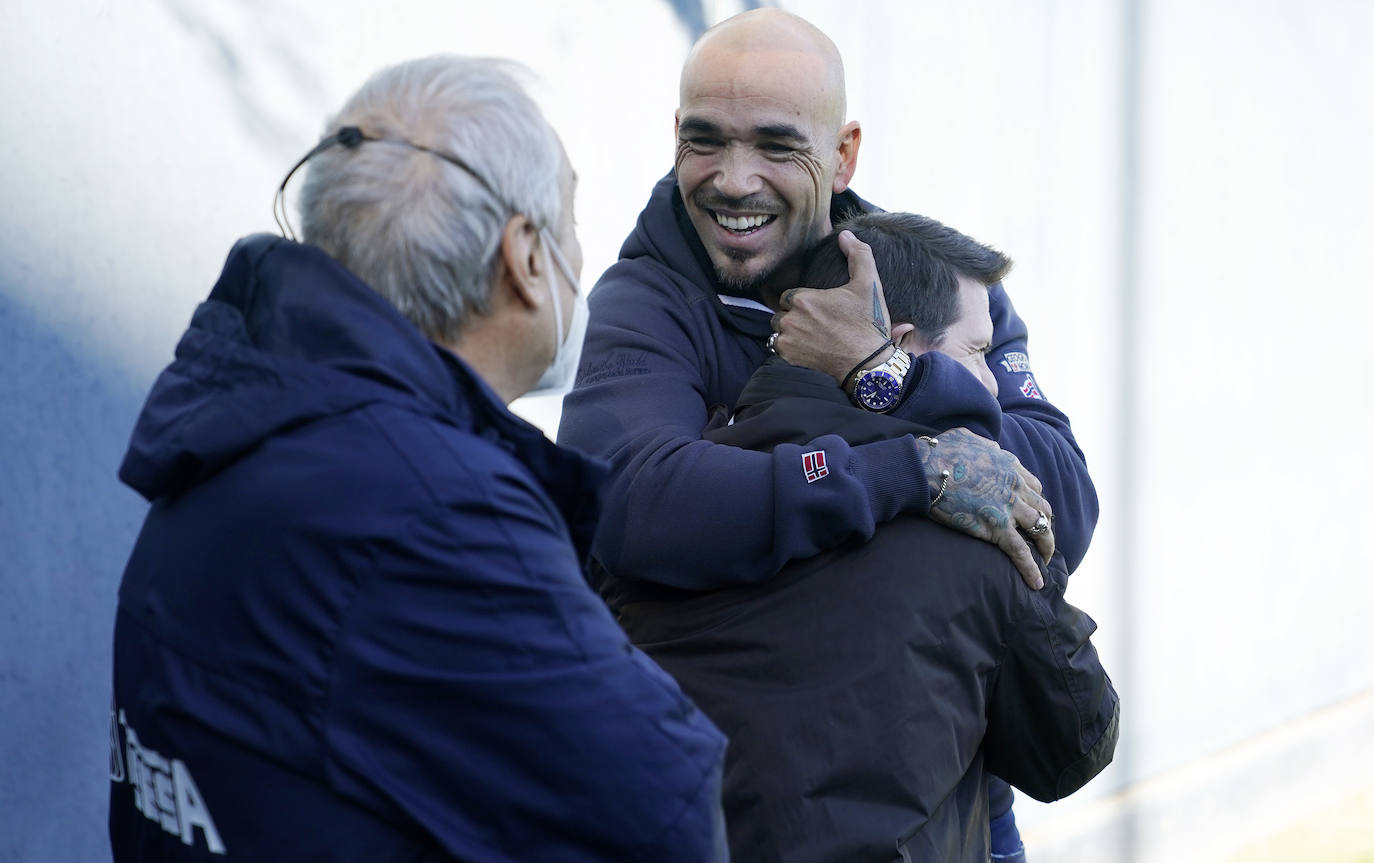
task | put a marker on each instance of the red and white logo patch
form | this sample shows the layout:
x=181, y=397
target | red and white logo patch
x=813, y=465
x=1029, y=389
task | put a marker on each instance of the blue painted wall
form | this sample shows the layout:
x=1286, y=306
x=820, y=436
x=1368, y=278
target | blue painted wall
x=65, y=526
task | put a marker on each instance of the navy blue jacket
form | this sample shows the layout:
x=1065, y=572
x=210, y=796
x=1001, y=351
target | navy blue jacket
x=665, y=352
x=354, y=626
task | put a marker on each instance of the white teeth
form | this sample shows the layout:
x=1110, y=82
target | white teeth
x=742, y=223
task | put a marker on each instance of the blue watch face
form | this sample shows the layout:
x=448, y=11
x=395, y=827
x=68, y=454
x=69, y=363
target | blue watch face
x=877, y=390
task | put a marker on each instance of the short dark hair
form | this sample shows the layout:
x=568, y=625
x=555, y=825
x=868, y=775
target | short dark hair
x=919, y=260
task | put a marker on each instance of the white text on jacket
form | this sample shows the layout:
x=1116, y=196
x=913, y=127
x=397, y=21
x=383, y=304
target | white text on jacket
x=163, y=789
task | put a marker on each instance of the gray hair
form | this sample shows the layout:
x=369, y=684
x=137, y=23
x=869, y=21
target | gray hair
x=421, y=231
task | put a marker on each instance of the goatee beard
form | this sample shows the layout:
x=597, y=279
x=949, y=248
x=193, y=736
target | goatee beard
x=742, y=285
x=757, y=287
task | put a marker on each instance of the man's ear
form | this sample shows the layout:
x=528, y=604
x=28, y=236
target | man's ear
x=521, y=264
x=899, y=332
x=850, y=138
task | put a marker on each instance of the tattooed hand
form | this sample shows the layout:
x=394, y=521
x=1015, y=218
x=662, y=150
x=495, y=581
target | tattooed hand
x=833, y=330
x=988, y=495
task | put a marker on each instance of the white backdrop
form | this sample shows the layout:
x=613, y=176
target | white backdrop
x=1184, y=189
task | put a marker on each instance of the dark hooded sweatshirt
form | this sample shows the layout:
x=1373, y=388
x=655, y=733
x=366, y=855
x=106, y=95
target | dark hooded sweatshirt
x=666, y=352
x=354, y=626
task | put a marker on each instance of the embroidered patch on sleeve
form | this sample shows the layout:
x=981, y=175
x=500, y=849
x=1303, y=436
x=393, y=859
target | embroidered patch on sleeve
x=1029, y=389
x=813, y=465
x=1015, y=361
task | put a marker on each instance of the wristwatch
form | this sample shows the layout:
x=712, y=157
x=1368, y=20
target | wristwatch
x=878, y=389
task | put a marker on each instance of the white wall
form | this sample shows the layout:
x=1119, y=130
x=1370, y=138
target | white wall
x=1184, y=188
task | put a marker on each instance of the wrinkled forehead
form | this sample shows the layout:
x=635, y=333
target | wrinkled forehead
x=782, y=85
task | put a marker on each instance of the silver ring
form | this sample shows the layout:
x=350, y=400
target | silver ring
x=1042, y=524
x=772, y=343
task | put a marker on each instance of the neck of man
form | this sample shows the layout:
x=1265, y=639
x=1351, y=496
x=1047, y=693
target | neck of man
x=494, y=362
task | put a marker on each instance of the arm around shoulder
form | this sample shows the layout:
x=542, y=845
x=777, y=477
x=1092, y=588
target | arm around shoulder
x=1038, y=433
x=684, y=511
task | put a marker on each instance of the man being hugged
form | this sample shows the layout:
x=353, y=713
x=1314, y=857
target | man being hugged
x=870, y=692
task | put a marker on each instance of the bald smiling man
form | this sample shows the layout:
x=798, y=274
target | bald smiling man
x=764, y=159
x=747, y=92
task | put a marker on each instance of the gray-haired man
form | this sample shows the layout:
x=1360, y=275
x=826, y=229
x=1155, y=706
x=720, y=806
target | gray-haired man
x=355, y=625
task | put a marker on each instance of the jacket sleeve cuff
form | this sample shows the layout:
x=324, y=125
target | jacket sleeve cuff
x=1078, y=774
x=942, y=394
x=892, y=473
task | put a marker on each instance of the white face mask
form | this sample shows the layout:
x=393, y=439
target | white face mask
x=568, y=347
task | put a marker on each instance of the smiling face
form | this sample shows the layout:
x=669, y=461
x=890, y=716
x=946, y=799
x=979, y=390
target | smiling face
x=760, y=149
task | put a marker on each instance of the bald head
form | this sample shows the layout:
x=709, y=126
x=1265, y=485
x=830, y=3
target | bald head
x=762, y=144
x=769, y=46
